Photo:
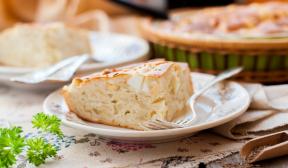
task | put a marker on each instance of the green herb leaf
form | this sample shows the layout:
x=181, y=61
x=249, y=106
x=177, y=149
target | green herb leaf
x=11, y=144
x=39, y=150
x=47, y=123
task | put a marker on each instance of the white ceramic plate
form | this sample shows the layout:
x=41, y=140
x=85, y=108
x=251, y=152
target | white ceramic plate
x=111, y=50
x=229, y=92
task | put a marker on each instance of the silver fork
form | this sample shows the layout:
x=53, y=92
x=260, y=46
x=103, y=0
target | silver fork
x=66, y=67
x=67, y=72
x=157, y=124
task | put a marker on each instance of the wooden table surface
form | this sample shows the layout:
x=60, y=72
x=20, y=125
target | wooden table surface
x=234, y=161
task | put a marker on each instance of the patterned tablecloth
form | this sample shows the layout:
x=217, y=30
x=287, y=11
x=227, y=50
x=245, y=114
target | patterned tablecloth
x=86, y=150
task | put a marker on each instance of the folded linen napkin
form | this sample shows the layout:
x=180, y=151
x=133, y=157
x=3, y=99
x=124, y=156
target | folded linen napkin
x=267, y=113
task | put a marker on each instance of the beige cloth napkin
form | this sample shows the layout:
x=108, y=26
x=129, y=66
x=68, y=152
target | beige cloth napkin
x=267, y=113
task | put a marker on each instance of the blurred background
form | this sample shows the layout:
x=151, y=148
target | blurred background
x=100, y=15
x=123, y=16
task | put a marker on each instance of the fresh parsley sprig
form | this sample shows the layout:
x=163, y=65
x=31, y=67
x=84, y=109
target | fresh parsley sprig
x=35, y=149
x=39, y=150
x=11, y=144
x=46, y=123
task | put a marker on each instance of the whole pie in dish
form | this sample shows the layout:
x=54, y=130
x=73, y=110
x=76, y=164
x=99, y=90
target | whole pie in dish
x=213, y=39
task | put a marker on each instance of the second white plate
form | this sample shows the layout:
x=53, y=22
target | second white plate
x=111, y=50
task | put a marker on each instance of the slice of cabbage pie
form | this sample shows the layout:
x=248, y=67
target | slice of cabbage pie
x=131, y=95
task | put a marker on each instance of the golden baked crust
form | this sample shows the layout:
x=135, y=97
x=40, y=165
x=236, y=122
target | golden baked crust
x=224, y=27
x=150, y=69
x=254, y=19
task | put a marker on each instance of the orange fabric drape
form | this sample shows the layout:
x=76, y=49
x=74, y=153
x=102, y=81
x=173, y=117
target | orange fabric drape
x=83, y=13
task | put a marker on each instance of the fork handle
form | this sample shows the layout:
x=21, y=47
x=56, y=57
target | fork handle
x=224, y=75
